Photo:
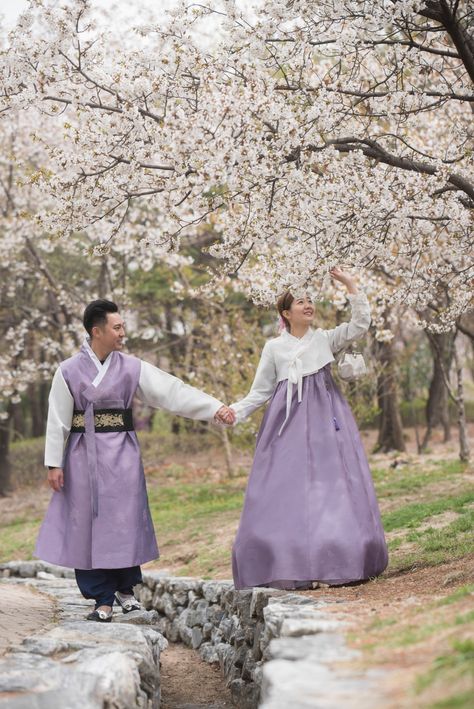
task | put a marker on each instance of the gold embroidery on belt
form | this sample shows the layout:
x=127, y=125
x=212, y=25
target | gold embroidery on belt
x=78, y=421
x=100, y=420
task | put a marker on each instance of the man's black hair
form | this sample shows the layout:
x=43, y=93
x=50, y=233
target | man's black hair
x=96, y=313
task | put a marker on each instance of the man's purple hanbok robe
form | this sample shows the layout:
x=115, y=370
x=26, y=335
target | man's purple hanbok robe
x=101, y=518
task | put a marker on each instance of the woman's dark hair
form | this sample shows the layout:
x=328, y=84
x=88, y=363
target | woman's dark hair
x=284, y=303
x=96, y=313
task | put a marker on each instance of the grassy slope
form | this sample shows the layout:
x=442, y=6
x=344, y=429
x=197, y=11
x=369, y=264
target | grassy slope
x=428, y=513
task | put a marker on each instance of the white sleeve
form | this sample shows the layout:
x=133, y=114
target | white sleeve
x=61, y=407
x=164, y=391
x=347, y=332
x=262, y=388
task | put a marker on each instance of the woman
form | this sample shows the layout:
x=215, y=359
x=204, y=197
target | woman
x=310, y=512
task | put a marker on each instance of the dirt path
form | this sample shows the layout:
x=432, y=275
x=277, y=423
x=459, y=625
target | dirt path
x=23, y=611
x=187, y=682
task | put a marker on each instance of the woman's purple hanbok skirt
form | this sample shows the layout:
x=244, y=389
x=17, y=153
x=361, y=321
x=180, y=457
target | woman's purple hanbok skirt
x=310, y=510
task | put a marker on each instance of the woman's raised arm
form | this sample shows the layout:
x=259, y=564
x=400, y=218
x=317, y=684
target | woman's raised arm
x=346, y=333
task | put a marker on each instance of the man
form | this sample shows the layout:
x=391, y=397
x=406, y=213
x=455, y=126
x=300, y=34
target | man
x=98, y=521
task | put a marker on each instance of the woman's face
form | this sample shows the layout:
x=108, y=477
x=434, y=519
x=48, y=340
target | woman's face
x=301, y=312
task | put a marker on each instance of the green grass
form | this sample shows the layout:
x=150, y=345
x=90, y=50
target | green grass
x=382, y=623
x=431, y=625
x=188, y=506
x=393, y=482
x=420, y=629
x=430, y=546
x=464, y=619
x=457, y=701
x=417, y=632
x=432, y=491
x=458, y=663
x=461, y=592
x=394, y=544
x=18, y=539
x=414, y=514
x=194, y=514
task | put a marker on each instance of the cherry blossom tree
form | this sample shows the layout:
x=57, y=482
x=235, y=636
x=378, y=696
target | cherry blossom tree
x=307, y=133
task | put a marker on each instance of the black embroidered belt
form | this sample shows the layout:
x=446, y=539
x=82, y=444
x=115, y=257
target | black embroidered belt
x=105, y=420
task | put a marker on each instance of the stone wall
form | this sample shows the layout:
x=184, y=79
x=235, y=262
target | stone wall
x=276, y=649
x=238, y=629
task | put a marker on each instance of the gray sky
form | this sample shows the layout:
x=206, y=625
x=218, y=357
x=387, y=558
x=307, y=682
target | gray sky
x=124, y=12
x=10, y=9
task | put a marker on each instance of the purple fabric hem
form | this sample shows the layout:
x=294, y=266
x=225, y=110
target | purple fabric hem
x=288, y=587
x=145, y=560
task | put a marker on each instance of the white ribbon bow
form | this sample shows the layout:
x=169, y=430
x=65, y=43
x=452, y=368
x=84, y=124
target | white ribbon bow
x=295, y=376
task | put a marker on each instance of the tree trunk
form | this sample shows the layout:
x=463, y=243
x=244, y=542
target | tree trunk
x=102, y=281
x=228, y=452
x=437, y=411
x=390, y=423
x=411, y=397
x=5, y=485
x=18, y=428
x=43, y=394
x=464, y=452
x=34, y=406
x=38, y=397
x=465, y=324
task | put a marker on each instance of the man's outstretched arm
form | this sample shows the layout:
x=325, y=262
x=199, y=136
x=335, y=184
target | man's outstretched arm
x=164, y=391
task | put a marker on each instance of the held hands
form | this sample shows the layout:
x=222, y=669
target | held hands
x=345, y=278
x=225, y=415
x=56, y=479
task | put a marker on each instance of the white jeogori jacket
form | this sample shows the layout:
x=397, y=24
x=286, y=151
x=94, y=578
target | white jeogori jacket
x=292, y=358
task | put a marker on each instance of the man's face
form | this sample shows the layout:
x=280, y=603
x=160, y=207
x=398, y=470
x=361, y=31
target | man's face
x=109, y=336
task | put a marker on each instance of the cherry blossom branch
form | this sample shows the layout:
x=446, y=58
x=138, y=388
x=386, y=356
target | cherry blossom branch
x=371, y=149
x=102, y=107
x=440, y=11
x=379, y=94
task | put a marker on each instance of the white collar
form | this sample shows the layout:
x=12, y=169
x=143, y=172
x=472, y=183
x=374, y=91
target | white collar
x=101, y=367
x=291, y=338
